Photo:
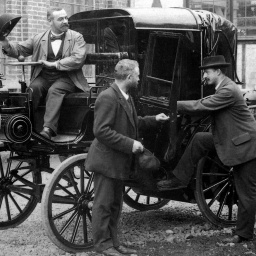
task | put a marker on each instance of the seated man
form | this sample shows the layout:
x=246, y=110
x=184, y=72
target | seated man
x=62, y=53
x=233, y=137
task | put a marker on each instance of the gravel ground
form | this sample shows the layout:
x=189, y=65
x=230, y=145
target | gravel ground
x=176, y=229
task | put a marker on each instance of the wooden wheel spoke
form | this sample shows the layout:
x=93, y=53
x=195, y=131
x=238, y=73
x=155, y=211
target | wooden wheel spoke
x=216, y=196
x=137, y=197
x=82, y=180
x=89, y=184
x=74, y=183
x=222, y=204
x=220, y=165
x=85, y=233
x=26, y=197
x=60, y=215
x=1, y=200
x=67, y=191
x=63, y=200
x=128, y=190
x=214, y=174
x=7, y=207
x=74, y=233
x=1, y=168
x=68, y=222
x=15, y=203
x=214, y=185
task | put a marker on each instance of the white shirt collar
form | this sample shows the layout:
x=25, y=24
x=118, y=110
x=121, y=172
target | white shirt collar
x=57, y=34
x=218, y=85
x=124, y=94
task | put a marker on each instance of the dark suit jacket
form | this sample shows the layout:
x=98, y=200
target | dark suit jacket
x=73, y=55
x=233, y=127
x=115, y=129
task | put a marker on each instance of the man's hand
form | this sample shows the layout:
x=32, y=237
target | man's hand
x=4, y=42
x=48, y=64
x=162, y=117
x=137, y=147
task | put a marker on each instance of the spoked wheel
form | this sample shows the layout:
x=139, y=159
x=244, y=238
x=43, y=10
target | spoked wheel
x=215, y=192
x=67, y=203
x=141, y=202
x=18, y=181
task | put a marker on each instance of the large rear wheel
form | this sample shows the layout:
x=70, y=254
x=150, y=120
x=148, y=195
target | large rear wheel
x=66, y=205
x=142, y=202
x=215, y=192
x=18, y=179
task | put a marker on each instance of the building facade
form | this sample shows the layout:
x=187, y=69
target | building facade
x=243, y=14
x=33, y=21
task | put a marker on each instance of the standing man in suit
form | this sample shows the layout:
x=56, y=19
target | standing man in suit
x=233, y=137
x=111, y=154
x=62, y=53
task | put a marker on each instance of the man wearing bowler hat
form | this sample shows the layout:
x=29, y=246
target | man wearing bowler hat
x=233, y=137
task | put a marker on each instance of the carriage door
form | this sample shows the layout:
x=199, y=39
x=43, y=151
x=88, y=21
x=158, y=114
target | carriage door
x=160, y=88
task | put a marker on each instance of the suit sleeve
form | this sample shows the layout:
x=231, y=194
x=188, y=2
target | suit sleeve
x=104, y=120
x=23, y=48
x=222, y=99
x=77, y=57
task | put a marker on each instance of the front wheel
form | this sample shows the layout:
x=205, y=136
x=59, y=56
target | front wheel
x=66, y=205
x=215, y=192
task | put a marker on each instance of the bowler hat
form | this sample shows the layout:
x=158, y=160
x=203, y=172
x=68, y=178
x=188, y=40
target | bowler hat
x=147, y=161
x=7, y=23
x=214, y=61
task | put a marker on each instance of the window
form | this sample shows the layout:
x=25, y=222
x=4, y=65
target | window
x=246, y=17
x=219, y=7
x=73, y=6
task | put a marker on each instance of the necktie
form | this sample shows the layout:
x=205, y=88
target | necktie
x=53, y=37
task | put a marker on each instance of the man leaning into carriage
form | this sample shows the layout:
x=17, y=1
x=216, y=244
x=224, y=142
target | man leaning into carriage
x=62, y=53
x=233, y=137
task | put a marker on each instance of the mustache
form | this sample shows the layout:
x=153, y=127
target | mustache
x=204, y=81
x=67, y=25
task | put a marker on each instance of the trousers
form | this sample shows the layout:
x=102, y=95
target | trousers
x=107, y=207
x=54, y=91
x=244, y=179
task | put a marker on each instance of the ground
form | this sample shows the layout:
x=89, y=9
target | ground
x=176, y=229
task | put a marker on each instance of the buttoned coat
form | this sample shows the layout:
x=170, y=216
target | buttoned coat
x=233, y=125
x=73, y=55
x=115, y=129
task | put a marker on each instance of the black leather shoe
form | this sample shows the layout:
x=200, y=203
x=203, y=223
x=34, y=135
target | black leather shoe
x=236, y=239
x=111, y=252
x=125, y=250
x=47, y=132
x=171, y=184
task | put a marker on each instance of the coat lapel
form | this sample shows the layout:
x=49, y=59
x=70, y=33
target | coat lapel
x=67, y=41
x=123, y=102
x=44, y=42
x=225, y=81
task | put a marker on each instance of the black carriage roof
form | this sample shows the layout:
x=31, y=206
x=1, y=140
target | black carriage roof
x=161, y=18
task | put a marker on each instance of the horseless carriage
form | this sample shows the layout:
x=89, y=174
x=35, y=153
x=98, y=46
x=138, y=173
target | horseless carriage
x=169, y=45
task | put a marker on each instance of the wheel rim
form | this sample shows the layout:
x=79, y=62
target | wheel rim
x=17, y=198
x=69, y=207
x=215, y=192
x=142, y=202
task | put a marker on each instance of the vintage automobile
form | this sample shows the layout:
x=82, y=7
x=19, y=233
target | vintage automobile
x=169, y=45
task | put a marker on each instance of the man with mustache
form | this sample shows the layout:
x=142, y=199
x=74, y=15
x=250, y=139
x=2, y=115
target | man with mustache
x=62, y=53
x=233, y=137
